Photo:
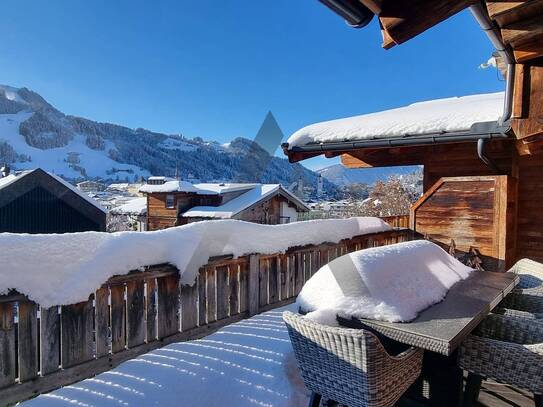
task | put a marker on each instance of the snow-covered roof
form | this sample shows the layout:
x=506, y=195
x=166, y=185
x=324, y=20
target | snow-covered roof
x=242, y=202
x=222, y=188
x=169, y=186
x=136, y=206
x=456, y=114
x=11, y=178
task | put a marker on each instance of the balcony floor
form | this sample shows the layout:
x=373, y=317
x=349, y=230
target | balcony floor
x=249, y=363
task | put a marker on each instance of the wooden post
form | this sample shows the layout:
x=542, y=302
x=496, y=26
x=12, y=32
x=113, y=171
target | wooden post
x=254, y=286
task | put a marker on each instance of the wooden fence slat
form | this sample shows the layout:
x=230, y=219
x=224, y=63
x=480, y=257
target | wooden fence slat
x=299, y=273
x=243, y=286
x=202, y=300
x=101, y=309
x=135, y=309
x=263, y=281
x=233, y=289
x=254, y=284
x=222, y=292
x=273, y=280
x=315, y=261
x=49, y=340
x=118, y=318
x=283, y=277
x=292, y=275
x=151, y=309
x=28, y=340
x=307, y=266
x=211, y=294
x=7, y=344
x=168, y=305
x=189, y=307
x=76, y=333
x=323, y=257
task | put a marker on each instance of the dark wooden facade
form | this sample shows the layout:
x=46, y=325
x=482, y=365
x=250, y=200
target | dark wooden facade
x=36, y=202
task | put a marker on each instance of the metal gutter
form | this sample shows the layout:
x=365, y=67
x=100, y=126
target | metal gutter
x=494, y=35
x=353, y=12
x=487, y=130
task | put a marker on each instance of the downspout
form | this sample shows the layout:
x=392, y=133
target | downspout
x=493, y=33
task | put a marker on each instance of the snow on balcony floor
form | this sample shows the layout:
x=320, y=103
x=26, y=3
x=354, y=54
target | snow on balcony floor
x=249, y=363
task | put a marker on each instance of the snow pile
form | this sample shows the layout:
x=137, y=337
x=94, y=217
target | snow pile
x=391, y=283
x=65, y=269
x=435, y=116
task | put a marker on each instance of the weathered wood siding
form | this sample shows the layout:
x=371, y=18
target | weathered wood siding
x=267, y=212
x=530, y=208
x=42, y=349
x=472, y=211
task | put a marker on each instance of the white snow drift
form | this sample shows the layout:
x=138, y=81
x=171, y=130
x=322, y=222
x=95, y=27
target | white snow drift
x=391, y=283
x=434, y=116
x=65, y=269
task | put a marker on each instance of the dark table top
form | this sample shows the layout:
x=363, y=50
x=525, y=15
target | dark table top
x=442, y=327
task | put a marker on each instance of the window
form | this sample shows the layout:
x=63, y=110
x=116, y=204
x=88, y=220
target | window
x=170, y=201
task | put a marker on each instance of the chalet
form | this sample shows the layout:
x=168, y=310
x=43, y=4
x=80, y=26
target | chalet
x=171, y=202
x=36, y=201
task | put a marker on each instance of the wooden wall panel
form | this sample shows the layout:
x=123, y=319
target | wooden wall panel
x=472, y=211
x=530, y=208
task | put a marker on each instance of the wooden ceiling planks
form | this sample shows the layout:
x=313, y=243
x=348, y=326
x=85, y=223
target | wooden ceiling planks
x=521, y=24
x=402, y=20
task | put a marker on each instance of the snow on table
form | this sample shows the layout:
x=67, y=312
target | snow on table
x=390, y=283
x=249, y=363
x=61, y=269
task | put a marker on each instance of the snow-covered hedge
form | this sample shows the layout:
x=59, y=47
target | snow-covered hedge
x=66, y=268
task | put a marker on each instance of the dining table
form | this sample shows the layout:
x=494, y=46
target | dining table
x=440, y=330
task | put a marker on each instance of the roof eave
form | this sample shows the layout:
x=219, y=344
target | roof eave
x=483, y=130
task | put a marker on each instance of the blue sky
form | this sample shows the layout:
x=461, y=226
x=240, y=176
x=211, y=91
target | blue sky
x=213, y=68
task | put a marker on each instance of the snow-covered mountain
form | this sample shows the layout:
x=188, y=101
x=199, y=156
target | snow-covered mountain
x=342, y=176
x=33, y=134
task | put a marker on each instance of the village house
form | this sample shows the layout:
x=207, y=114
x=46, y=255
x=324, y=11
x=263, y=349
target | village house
x=171, y=202
x=35, y=201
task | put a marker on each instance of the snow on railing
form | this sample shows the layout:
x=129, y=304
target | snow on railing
x=65, y=268
x=44, y=347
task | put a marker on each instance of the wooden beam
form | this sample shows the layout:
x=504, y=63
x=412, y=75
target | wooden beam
x=530, y=125
x=404, y=19
x=507, y=12
x=529, y=50
x=374, y=5
x=522, y=31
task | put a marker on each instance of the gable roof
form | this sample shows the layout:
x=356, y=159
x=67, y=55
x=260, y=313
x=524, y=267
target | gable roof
x=16, y=185
x=257, y=193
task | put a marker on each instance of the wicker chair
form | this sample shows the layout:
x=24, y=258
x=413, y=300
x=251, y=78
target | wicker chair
x=350, y=366
x=531, y=277
x=527, y=297
x=506, y=349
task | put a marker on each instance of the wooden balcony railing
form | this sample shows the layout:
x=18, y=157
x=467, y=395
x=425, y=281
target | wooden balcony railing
x=397, y=221
x=45, y=348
